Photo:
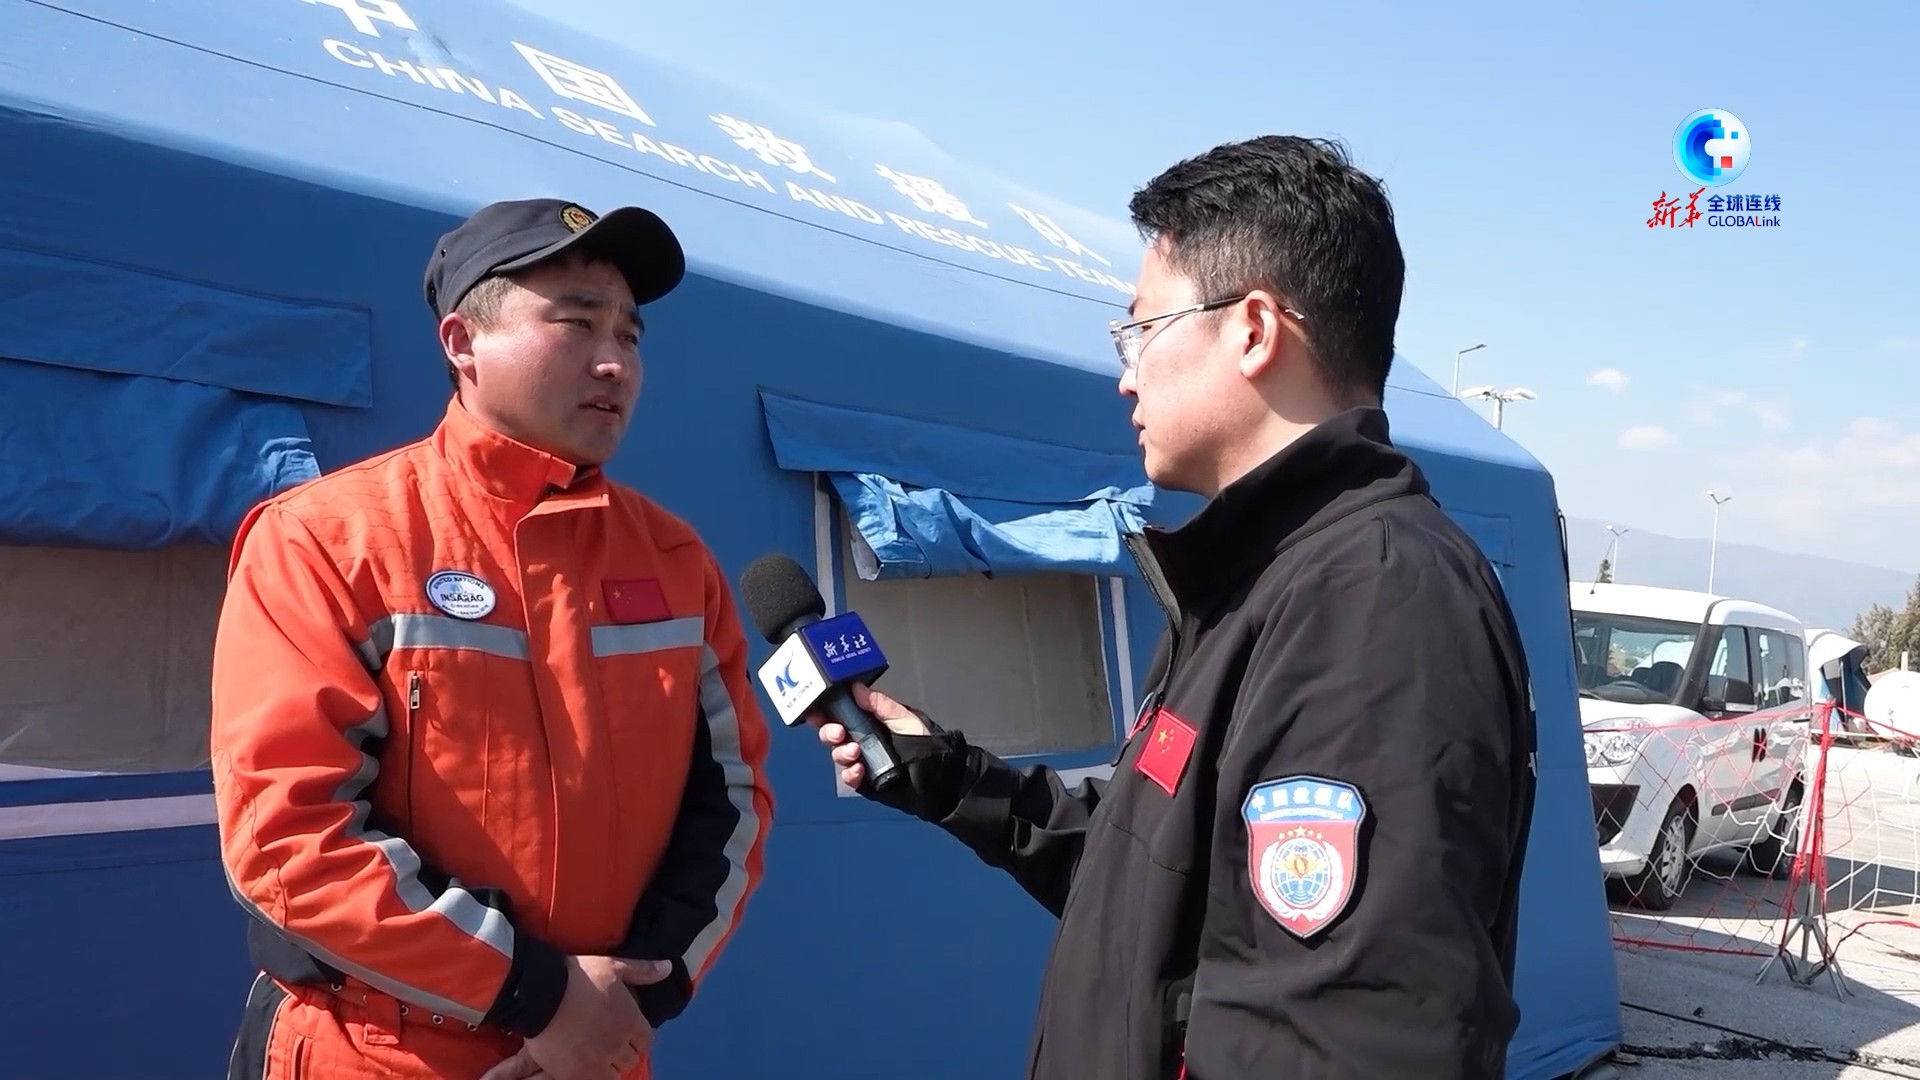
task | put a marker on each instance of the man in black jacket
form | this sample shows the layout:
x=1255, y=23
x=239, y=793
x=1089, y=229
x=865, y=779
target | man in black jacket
x=1307, y=861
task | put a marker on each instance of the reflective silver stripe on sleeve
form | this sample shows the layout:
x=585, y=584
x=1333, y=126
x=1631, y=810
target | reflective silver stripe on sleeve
x=649, y=637
x=723, y=724
x=372, y=978
x=456, y=905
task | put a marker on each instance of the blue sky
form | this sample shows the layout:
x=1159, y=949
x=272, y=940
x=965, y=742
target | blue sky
x=1523, y=145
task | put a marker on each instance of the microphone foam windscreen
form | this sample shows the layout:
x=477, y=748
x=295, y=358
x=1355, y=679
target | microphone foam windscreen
x=777, y=591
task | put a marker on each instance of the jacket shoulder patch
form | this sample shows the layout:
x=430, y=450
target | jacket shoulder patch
x=1303, y=849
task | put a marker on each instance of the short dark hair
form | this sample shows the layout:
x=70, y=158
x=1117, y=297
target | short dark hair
x=1293, y=215
x=480, y=306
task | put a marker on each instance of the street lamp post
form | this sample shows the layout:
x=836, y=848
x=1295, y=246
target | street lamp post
x=1713, y=546
x=1613, y=563
x=1456, y=365
x=1500, y=399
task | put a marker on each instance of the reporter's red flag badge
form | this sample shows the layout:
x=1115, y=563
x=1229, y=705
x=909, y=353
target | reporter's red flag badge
x=1169, y=744
x=1303, y=849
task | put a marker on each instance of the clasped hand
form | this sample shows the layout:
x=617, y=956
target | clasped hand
x=599, y=1031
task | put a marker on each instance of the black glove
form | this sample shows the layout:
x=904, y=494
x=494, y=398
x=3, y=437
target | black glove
x=939, y=770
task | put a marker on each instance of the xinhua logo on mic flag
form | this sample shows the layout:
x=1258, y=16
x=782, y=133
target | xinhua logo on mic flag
x=1303, y=850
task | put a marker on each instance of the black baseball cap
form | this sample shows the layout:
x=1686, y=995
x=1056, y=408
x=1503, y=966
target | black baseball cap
x=512, y=235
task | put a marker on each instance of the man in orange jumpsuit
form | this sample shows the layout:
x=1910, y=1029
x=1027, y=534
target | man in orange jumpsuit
x=488, y=764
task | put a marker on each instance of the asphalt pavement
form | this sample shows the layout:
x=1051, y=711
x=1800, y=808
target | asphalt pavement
x=1694, y=1001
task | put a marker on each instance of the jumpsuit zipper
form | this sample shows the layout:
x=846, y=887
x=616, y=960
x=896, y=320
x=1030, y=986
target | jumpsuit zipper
x=413, y=711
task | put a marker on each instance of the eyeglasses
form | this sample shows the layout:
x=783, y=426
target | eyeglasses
x=1130, y=339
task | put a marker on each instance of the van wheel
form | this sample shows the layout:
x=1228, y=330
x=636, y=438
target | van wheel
x=1665, y=877
x=1772, y=855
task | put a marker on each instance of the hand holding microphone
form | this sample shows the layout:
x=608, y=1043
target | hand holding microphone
x=846, y=749
x=817, y=663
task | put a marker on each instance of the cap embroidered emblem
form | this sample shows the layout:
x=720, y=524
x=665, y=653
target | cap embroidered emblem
x=576, y=218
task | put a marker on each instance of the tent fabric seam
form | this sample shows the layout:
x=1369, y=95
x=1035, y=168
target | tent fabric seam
x=9, y=244
x=765, y=390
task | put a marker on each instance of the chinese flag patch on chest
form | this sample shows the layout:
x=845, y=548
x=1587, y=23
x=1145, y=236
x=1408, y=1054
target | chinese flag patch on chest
x=636, y=600
x=1169, y=744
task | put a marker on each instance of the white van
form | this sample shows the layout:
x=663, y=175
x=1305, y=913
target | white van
x=1694, y=709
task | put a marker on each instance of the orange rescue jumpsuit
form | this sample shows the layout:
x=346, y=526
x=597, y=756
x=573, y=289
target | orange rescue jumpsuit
x=429, y=803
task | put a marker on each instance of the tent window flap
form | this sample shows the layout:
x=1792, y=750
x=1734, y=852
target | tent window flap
x=929, y=499
x=69, y=312
x=134, y=464
x=141, y=411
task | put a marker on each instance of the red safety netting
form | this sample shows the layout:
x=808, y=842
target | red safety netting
x=1769, y=835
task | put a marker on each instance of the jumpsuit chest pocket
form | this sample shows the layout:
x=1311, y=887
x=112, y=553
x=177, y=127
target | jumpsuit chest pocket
x=454, y=704
x=654, y=700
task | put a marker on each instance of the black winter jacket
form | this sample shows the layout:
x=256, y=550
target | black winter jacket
x=1307, y=861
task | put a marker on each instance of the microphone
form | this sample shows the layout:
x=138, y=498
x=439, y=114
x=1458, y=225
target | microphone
x=817, y=658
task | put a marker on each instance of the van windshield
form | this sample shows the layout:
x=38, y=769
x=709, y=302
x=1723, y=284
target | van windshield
x=1630, y=659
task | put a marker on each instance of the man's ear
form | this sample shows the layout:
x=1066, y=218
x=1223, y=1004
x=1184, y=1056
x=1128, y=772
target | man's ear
x=1263, y=330
x=456, y=341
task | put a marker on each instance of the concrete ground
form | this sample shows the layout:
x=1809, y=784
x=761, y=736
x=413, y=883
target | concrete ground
x=1690, y=1001
x=1705, y=1016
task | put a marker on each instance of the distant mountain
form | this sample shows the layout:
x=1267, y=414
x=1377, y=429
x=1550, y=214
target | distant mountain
x=1820, y=592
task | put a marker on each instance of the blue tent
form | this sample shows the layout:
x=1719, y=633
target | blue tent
x=213, y=222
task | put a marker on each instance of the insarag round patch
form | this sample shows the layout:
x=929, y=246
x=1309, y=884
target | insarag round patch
x=460, y=595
